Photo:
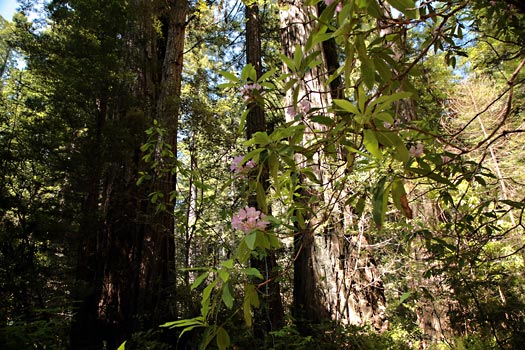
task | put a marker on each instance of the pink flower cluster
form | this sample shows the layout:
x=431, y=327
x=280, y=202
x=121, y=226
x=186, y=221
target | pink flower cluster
x=249, y=219
x=247, y=90
x=238, y=168
x=417, y=150
x=339, y=6
x=303, y=107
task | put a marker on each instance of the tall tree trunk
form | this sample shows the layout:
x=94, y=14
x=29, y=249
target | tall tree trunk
x=334, y=276
x=86, y=331
x=159, y=247
x=126, y=259
x=270, y=316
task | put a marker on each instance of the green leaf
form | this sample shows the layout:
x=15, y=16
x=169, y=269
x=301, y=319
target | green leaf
x=513, y=204
x=251, y=295
x=385, y=117
x=261, y=240
x=227, y=295
x=261, y=138
x=223, y=339
x=288, y=61
x=199, y=280
x=385, y=101
x=298, y=56
x=267, y=75
x=392, y=139
x=250, y=299
x=248, y=73
x=228, y=264
x=230, y=76
x=432, y=175
x=371, y=143
x=224, y=275
x=261, y=197
x=250, y=240
x=275, y=243
x=361, y=98
x=403, y=6
x=378, y=200
x=368, y=71
x=404, y=297
x=243, y=252
x=322, y=120
x=242, y=122
x=252, y=271
x=360, y=206
x=347, y=106
x=187, y=322
x=320, y=37
x=247, y=312
x=374, y=9
x=226, y=85
x=122, y=346
x=253, y=154
x=399, y=196
x=205, y=302
x=384, y=71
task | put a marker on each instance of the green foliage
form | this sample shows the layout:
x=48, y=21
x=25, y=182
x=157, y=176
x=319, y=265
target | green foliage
x=430, y=173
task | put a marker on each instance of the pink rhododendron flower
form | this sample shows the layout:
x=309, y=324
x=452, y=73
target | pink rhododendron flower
x=249, y=219
x=238, y=168
x=339, y=7
x=247, y=90
x=303, y=107
x=417, y=150
x=290, y=111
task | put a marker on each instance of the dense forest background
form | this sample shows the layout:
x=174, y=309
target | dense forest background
x=191, y=174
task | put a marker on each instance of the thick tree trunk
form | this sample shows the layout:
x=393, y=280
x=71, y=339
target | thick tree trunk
x=270, y=316
x=126, y=256
x=86, y=330
x=334, y=276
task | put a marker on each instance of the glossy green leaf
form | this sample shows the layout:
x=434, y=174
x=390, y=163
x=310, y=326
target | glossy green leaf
x=199, y=280
x=223, y=339
x=198, y=321
x=267, y=75
x=248, y=73
x=227, y=295
x=250, y=240
x=261, y=240
x=252, y=272
x=243, y=252
x=230, y=76
x=399, y=196
x=368, y=72
x=347, y=106
x=371, y=143
x=228, y=263
x=224, y=275
x=288, y=61
x=320, y=119
x=261, y=197
x=384, y=102
x=298, y=56
x=378, y=199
